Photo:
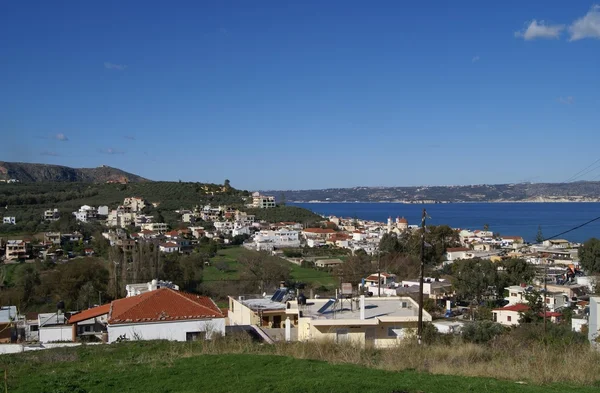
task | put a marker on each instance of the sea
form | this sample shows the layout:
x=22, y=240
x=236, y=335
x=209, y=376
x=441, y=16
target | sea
x=509, y=219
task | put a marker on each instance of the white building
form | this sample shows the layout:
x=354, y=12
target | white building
x=103, y=211
x=240, y=230
x=262, y=201
x=509, y=315
x=165, y=314
x=169, y=247
x=554, y=300
x=269, y=240
x=51, y=215
x=452, y=254
x=155, y=227
x=86, y=213
x=135, y=203
x=53, y=328
x=138, y=289
x=9, y=220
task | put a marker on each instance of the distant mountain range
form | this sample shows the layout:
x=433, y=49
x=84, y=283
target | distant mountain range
x=521, y=192
x=32, y=173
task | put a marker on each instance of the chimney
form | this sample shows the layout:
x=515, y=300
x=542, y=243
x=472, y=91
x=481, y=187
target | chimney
x=362, y=307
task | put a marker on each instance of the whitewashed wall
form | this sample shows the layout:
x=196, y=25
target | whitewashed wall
x=174, y=331
x=56, y=333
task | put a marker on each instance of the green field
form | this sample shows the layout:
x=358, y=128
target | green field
x=177, y=368
x=312, y=277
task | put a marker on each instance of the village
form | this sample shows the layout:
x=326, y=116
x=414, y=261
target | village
x=377, y=309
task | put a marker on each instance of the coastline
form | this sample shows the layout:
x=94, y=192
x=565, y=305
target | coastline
x=597, y=200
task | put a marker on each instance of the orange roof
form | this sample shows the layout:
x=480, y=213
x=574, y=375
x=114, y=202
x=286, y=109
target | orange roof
x=403, y=220
x=90, y=313
x=169, y=244
x=164, y=304
x=319, y=230
x=519, y=307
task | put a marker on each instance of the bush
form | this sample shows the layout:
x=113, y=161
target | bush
x=481, y=332
x=556, y=335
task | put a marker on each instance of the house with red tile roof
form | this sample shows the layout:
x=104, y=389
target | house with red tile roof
x=509, y=315
x=165, y=314
x=90, y=324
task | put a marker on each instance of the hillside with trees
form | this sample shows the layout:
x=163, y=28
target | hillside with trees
x=41, y=173
x=28, y=201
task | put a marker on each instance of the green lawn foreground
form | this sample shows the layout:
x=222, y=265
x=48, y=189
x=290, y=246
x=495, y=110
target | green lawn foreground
x=313, y=277
x=151, y=367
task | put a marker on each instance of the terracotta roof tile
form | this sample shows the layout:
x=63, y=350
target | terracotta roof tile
x=519, y=307
x=164, y=304
x=319, y=230
x=90, y=313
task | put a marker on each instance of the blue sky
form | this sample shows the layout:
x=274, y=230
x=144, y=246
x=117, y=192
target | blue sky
x=311, y=94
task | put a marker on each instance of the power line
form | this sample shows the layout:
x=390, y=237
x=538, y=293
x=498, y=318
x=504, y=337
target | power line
x=578, y=174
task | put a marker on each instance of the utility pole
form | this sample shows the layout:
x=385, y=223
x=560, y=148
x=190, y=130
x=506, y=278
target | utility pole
x=545, y=293
x=421, y=277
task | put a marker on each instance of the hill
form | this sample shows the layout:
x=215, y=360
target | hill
x=27, y=201
x=222, y=367
x=519, y=192
x=43, y=173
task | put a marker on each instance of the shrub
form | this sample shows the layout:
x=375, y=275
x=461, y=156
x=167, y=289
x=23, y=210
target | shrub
x=481, y=332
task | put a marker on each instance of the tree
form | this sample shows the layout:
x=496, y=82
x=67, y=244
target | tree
x=389, y=243
x=515, y=271
x=227, y=183
x=354, y=269
x=539, y=238
x=473, y=278
x=589, y=256
x=262, y=272
x=537, y=308
x=486, y=227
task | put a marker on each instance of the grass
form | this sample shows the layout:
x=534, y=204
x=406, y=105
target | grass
x=237, y=365
x=312, y=277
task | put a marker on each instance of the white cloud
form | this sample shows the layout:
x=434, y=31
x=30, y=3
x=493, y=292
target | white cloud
x=61, y=137
x=110, y=150
x=475, y=59
x=540, y=29
x=587, y=26
x=566, y=100
x=112, y=66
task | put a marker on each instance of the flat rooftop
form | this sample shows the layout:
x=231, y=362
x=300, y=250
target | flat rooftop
x=382, y=308
x=263, y=303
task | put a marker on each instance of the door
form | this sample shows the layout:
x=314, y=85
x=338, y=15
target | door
x=277, y=321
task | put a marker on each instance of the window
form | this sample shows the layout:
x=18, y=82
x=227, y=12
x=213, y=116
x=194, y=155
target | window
x=495, y=317
x=513, y=294
x=394, y=331
x=88, y=328
x=195, y=336
x=509, y=318
x=341, y=335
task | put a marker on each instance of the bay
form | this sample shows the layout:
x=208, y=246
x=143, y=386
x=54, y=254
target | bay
x=511, y=219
